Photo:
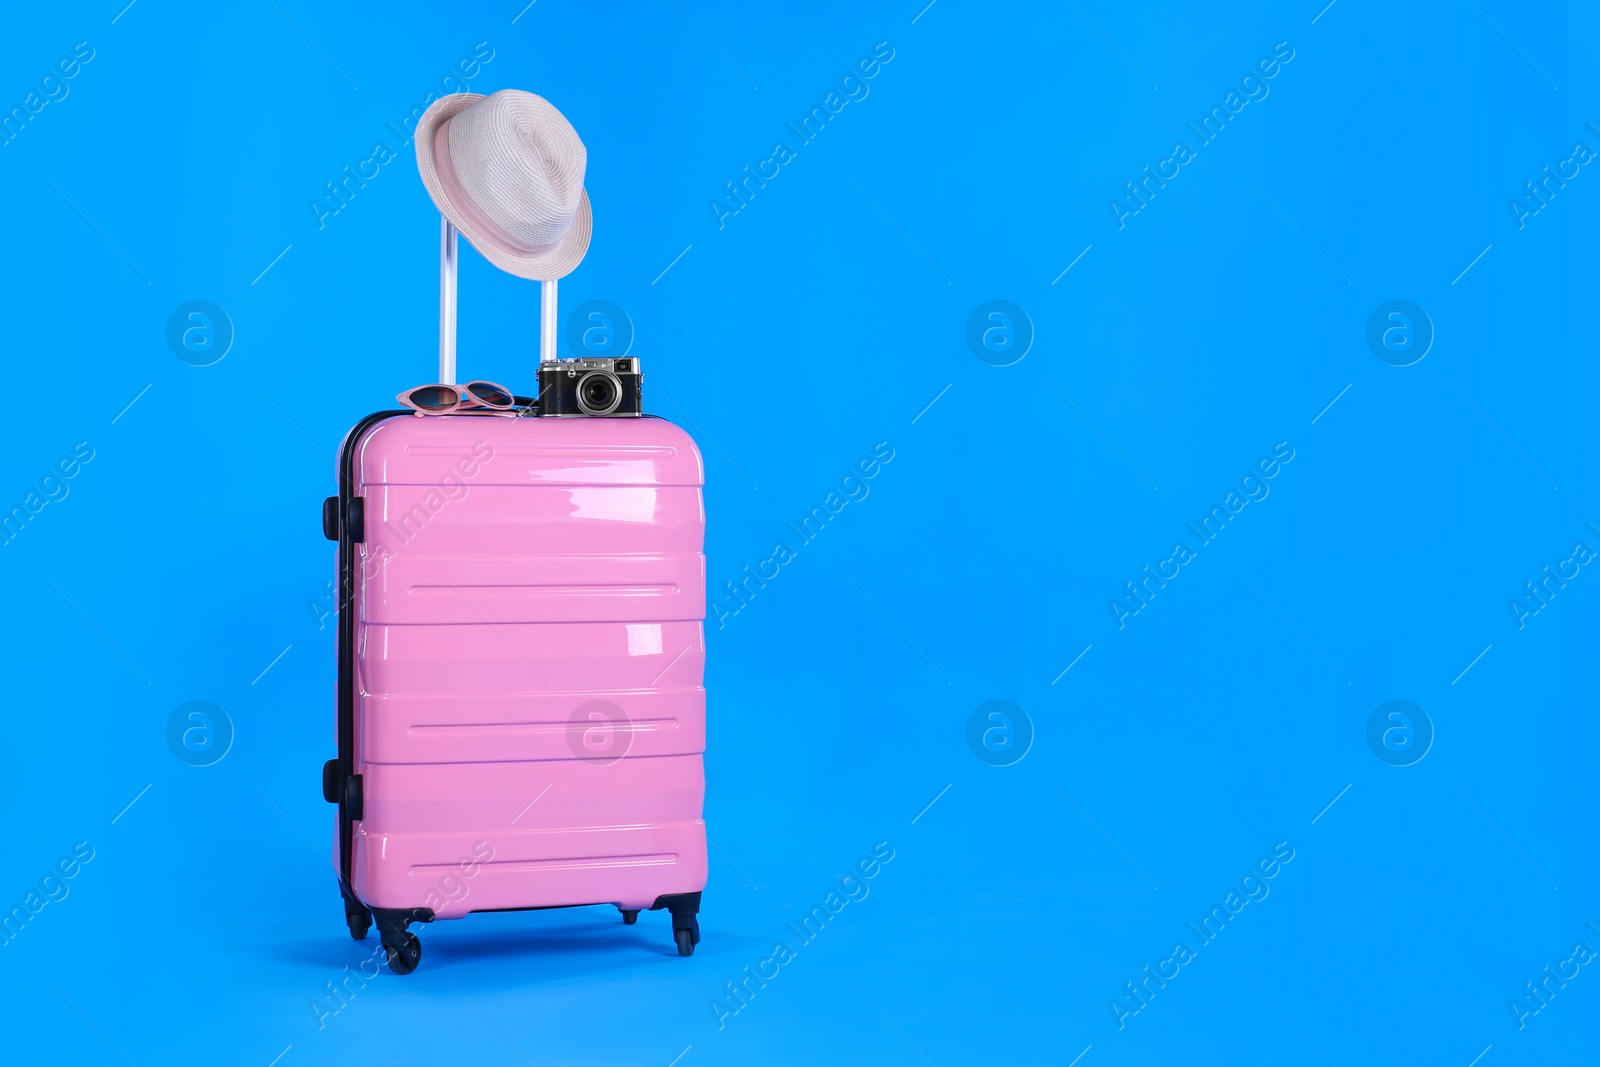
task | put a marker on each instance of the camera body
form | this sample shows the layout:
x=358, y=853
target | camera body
x=591, y=387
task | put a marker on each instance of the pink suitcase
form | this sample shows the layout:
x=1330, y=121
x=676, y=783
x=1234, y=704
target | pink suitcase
x=521, y=718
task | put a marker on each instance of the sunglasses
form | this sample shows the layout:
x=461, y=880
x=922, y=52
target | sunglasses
x=444, y=399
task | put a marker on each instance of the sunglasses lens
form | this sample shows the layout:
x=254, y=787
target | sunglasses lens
x=435, y=397
x=489, y=393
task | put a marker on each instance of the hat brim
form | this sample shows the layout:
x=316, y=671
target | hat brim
x=558, y=262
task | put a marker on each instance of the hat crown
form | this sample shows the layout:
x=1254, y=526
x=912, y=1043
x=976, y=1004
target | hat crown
x=522, y=163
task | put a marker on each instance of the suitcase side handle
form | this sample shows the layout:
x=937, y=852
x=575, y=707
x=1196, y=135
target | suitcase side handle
x=548, y=319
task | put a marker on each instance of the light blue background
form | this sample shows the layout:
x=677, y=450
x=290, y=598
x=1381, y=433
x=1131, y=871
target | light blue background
x=817, y=322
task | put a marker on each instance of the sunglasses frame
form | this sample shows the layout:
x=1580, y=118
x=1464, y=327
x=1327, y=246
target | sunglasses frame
x=465, y=399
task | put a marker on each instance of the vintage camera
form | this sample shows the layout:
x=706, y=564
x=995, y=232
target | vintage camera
x=590, y=386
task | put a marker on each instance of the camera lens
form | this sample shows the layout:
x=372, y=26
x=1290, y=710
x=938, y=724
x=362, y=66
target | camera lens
x=599, y=393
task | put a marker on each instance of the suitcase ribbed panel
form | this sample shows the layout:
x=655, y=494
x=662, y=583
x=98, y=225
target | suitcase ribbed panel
x=530, y=652
x=552, y=832
x=510, y=690
x=639, y=452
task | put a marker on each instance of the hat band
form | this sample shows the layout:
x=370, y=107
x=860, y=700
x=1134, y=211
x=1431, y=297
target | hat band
x=471, y=213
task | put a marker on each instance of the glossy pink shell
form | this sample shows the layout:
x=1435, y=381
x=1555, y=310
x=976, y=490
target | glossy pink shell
x=519, y=574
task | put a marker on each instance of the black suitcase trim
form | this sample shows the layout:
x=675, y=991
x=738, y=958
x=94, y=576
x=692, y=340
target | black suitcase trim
x=346, y=630
x=350, y=517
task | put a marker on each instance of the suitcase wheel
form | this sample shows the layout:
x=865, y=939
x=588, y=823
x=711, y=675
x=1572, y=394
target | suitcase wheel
x=359, y=924
x=685, y=925
x=630, y=917
x=404, y=955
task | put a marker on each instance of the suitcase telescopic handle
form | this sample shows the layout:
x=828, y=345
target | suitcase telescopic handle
x=447, y=302
x=447, y=307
